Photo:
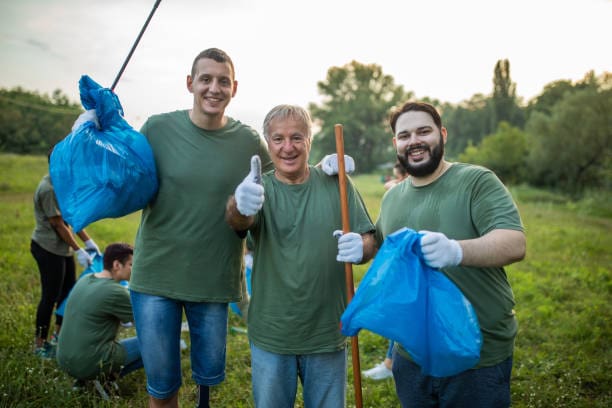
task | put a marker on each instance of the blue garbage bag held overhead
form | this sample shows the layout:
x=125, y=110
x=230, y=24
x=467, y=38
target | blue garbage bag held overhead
x=105, y=172
x=403, y=299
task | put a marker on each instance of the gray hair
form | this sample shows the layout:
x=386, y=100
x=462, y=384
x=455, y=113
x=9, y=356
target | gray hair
x=288, y=111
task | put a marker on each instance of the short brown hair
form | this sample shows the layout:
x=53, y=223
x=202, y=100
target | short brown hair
x=415, y=106
x=214, y=54
x=117, y=252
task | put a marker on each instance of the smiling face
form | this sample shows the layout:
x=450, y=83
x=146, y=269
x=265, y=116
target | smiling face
x=213, y=87
x=419, y=143
x=289, y=145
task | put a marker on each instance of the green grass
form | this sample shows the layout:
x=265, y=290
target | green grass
x=563, y=287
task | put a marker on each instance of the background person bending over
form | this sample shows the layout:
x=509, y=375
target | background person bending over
x=52, y=246
x=471, y=229
x=88, y=347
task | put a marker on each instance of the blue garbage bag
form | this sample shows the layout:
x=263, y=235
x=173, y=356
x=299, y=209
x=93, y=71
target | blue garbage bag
x=102, y=173
x=403, y=299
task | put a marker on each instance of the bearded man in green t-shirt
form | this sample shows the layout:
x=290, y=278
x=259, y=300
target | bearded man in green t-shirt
x=298, y=287
x=470, y=230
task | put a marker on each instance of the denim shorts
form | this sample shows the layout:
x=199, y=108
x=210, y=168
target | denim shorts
x=158, y=327
x=477, y=388
x=275, y=376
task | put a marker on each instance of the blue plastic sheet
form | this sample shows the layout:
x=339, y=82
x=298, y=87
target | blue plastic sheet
x=102, y=173
x=234, y=306
x=403, y=299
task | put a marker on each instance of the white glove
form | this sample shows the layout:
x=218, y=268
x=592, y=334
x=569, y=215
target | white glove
x=329, y=164
x=250, y=193
x=87, y=116
x=84, y=258
x=350, y=247
x=90, y=244
x=439, y=251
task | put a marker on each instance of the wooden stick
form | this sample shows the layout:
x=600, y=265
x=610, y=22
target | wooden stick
x=348, y=267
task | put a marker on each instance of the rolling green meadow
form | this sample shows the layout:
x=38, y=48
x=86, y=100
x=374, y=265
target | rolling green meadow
x=563, y=354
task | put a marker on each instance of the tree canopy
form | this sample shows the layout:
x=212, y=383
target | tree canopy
x=31, y=122
x=358, y=96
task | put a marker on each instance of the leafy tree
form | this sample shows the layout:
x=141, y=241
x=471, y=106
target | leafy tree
x=358, y=96
x=31, y=122
x=467, y=123
x=555, y=91
x=571, y=148
x=504, y=152
x=504, y=101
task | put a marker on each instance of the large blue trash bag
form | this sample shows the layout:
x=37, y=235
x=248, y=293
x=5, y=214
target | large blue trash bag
x=403, y=299
x=102, y=173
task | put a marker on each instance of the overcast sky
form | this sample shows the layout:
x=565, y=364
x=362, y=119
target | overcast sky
x=444, y=49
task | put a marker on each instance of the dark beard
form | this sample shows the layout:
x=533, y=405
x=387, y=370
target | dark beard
x=424, y=169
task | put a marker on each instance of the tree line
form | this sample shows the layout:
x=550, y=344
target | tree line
x=560, y=139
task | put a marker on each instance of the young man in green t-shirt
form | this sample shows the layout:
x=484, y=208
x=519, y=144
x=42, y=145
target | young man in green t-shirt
x=88, y=348
x=470, y=230
x=187, y=261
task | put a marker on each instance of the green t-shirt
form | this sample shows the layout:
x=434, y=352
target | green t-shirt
x=466, y=202
x=184, y=249
x=45, y=207
x=94, y=310
x=298, y=287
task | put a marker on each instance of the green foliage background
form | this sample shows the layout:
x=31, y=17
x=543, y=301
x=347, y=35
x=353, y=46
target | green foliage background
x=562, y=289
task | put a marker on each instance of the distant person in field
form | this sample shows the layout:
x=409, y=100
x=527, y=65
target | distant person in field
x=88, y=347
x=399, y=174
x=298, y=282
x=52, y=245
x=187, y=260
x=471, y=229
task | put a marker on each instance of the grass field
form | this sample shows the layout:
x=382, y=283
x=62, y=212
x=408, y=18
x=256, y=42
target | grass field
x=563, y=293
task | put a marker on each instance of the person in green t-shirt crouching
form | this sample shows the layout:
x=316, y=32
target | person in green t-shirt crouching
x=88, y=348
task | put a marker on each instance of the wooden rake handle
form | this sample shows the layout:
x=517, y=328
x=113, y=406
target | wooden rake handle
x=348, y=267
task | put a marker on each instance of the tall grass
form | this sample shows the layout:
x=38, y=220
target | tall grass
x=563, y=287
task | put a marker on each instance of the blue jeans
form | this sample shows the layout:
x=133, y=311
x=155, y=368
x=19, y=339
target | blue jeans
x=133, y=359
x=274, y=378
x=158, y=325
x=487, y=387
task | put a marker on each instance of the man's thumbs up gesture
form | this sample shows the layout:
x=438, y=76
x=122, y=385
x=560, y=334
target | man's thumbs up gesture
x=250, y=193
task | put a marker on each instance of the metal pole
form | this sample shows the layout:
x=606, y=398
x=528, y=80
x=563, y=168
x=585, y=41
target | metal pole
x=144, y=27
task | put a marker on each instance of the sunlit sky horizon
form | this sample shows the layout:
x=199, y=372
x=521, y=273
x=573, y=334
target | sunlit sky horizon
x=441, y=49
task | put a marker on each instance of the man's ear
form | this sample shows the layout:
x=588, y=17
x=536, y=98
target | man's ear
x=444, y=134
x=235, y=88
x=189, y=83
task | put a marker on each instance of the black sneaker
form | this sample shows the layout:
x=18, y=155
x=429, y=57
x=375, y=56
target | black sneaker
x=46, y=352
x=79, y=385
